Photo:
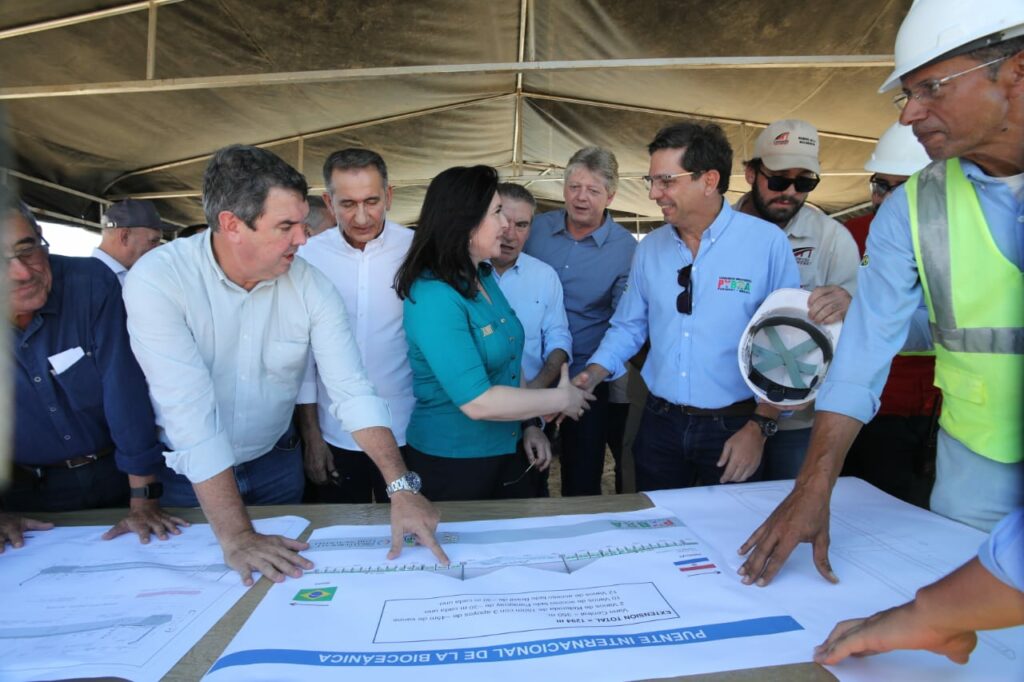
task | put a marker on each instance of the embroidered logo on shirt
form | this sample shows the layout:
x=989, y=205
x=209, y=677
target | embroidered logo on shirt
x=734, y=284
x=487, y=331
x=803, y=255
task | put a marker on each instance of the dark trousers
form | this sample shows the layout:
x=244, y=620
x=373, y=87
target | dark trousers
x=471, y=478
x=93, y=486
x=358, y=481
x=583, y=448
x=896, y=454
x=675, y=450
x=618, y=414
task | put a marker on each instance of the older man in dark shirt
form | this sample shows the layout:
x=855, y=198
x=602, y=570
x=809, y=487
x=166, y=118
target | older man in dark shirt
x=83, y=419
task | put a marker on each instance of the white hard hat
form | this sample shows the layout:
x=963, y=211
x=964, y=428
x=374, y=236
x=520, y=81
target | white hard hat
x=784, y=356
x=898, y=152
x=934, y=27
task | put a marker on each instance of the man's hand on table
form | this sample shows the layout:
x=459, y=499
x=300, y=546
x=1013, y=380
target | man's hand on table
x=13, y=527
x=413, y=514
x=145, y=518
x=274, y=556
x=802, y=517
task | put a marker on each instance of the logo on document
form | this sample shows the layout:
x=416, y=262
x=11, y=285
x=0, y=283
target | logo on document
x=319, y=594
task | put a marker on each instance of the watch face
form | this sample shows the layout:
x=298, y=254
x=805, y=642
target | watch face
x=770, y=428
x=413, y=479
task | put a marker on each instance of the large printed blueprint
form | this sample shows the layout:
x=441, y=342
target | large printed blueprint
x=74, y=605
x=623, y=596
x=883, y=551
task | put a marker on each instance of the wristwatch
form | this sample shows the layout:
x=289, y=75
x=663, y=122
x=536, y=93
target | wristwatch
x=769, y=427
x=151, y=491
x=536, y=421
x=409, y=481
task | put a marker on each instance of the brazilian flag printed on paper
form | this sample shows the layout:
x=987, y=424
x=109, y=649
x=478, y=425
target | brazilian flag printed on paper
x=317, y=594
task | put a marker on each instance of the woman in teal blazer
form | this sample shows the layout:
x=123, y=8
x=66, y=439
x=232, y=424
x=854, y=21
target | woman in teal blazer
x=465, y=350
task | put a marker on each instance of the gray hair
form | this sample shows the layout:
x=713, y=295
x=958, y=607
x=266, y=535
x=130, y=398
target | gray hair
x=353, y=158
x=596, y=160
x=26, y=213
x=514, y=192
x=317, y=209
x=238, y=179
x=989, y=53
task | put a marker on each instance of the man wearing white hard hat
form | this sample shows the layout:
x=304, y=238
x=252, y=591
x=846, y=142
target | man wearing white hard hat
x=784, y=171
x=953, y=232
x=895, y=451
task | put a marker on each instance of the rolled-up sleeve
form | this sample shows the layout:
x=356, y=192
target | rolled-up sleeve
x=180, y=384
x=353, y=399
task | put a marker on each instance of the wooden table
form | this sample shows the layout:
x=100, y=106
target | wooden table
x=209, y=648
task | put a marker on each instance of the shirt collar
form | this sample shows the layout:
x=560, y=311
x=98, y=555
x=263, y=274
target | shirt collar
x=206, y=245
x=600, y=235
x=375, y=244
x=109, y=260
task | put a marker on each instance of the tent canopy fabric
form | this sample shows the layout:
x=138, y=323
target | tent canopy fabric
x=428, y=84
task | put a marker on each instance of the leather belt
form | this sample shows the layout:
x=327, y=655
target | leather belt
x=70, y=463
x=742, y=408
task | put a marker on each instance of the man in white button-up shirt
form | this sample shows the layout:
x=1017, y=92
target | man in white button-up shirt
x=222, y=325
x=360, y=258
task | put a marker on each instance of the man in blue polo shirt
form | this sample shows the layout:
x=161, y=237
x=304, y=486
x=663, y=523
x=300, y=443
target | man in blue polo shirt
x=694, y=285
x=591, y=254
x=83, y=419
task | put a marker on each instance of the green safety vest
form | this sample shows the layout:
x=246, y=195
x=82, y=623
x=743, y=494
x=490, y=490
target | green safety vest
x=975, y=299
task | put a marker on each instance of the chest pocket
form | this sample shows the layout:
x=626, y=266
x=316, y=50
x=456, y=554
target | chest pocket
x=81, y=384
x=285, y=362
x=495, y=343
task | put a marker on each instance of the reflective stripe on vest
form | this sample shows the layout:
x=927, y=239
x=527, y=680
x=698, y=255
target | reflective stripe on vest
x=975, y=299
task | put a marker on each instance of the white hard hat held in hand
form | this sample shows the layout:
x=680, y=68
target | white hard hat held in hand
x=783, y=356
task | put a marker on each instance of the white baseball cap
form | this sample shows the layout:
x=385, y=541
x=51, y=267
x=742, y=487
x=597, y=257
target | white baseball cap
x=789, y=143
x=783, y=355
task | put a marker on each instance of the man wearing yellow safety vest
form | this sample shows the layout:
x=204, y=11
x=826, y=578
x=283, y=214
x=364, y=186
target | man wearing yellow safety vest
x=954, y=231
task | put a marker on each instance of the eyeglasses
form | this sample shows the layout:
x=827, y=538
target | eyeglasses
x=684, y=302
x=882, y=187
x=931, y=90
x=780, y=183
x=666, y=180
x=27, y=253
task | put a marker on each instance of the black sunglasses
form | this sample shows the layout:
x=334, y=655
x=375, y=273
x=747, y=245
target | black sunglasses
x=779, y=183
x=684, y=302
x=882, y=187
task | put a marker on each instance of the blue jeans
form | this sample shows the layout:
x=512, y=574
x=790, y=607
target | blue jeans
x=273, y=478
x=784, y=454
x=93, y=486
x=675, y=450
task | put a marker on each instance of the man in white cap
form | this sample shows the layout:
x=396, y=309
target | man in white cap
x=961, y=71
x=784, y=171
x=131, y=228
x=895, y=451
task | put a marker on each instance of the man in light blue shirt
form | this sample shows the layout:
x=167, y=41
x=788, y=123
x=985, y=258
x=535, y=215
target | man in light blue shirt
x=694, y=285
x=534, y=291
x=963, y=98
x=222, y=325
x=591, y=254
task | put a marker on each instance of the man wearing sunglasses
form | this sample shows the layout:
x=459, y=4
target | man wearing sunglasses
x=783, y=172
x=951, y=233
x=694, y=285
x=84, y=430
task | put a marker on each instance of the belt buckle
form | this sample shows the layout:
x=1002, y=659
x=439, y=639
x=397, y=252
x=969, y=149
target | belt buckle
x=87, y=459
